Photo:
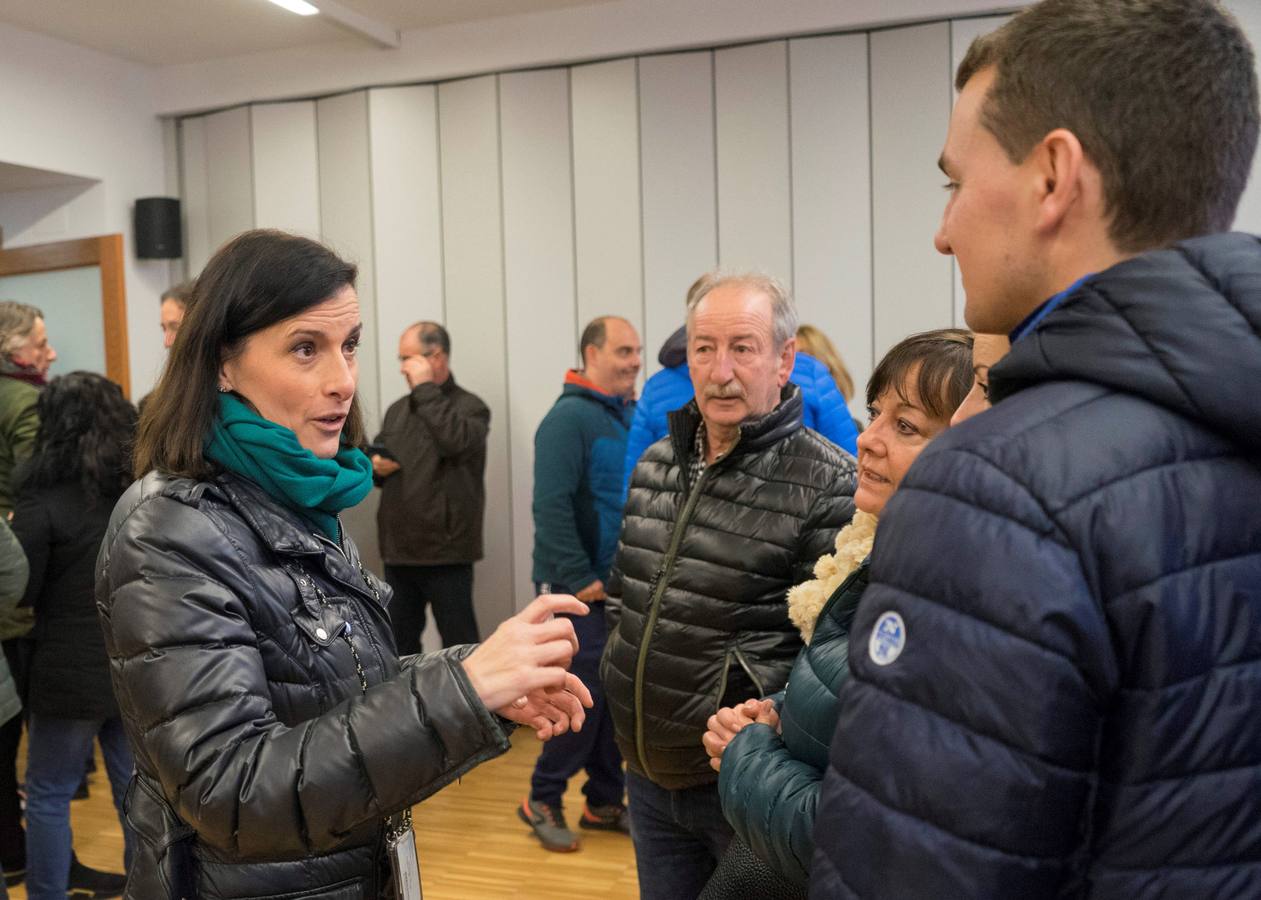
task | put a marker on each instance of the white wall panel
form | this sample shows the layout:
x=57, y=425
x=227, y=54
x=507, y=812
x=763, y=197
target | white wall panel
x=607, y=220
x=229, y=175
x=538, y=272
x=468, y=115
x=754, y=190
x=407, y=220
x=831, y=166
x=193, y=193
x=346, y=221
x=676, y=109
x=962, y=33
x=1248, y=216
x=910, y=109
x=286, y=167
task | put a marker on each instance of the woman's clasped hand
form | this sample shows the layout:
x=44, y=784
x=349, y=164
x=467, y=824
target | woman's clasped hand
x=527, y=658
x=730, y=721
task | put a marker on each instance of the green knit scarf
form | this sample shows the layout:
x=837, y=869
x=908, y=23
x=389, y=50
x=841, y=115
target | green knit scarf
x=245, y=443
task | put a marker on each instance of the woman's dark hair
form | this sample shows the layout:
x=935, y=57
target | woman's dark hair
x=86, y=427
x=257, y=279
x=942, y=364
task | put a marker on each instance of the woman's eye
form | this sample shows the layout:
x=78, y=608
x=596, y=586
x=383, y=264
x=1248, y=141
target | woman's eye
x=906, y=427
x=305, y=350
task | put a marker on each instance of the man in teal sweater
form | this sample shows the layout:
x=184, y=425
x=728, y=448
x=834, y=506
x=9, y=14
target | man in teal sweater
x=578, y=453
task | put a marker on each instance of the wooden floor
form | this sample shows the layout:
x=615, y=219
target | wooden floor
x=472, y=846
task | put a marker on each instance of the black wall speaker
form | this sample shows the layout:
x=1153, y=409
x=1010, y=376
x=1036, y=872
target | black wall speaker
x=158, y=234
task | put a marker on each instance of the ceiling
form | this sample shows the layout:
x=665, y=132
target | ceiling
x=166, y=32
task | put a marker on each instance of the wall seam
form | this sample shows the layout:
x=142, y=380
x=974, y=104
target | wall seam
x=507, y=370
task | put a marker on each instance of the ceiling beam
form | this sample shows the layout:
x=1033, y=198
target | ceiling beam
x=380, y=33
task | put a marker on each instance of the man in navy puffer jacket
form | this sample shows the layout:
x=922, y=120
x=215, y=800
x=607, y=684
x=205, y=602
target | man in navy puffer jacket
x=1056, y=670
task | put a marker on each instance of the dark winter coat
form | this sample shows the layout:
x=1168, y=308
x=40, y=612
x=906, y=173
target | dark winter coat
x=577, y=506
x=263, y=771
x=61, y=531
x=431, y=509
x=769, y=781
x=1071, y=706
x=697, y=611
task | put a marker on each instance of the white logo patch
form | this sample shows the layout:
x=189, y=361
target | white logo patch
x=888, y=639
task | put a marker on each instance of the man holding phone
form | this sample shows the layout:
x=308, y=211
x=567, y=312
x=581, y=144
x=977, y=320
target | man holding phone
x=430, y=461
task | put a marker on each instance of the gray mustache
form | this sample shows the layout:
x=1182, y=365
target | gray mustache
x=724, y=391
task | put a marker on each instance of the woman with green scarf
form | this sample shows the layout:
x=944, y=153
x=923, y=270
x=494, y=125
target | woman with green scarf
x=279, y=741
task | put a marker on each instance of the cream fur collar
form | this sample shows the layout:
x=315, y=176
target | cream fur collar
x=853, y=545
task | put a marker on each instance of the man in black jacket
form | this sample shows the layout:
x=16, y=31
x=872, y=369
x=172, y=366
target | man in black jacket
x=1056, y=669
x=432, y=492
x=723, y=516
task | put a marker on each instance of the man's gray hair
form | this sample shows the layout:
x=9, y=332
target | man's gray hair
x=16, y=323
x=783, y=311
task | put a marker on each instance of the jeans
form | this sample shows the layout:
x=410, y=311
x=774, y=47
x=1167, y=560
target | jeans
x=448, y=588
x=54, y=770
x=679, y=837
x=593, y=748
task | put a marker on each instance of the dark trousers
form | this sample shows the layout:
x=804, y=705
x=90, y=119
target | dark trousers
x=593, y=748
x=679, y=837
x=448, y=588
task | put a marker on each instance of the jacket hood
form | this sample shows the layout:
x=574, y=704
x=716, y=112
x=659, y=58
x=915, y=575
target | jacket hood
x=1180, y=328
x=577, y=385
x=674, y=351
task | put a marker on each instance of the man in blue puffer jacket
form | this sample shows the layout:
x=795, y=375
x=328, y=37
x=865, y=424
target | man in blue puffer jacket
x=1055, y=681
x=824, y=407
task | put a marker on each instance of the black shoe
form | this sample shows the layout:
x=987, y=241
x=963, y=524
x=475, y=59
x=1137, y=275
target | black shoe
x=15, y=875
x=92, y=884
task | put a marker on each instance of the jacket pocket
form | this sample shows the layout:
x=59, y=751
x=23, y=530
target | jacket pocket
x=164, y=838
x=353, y=889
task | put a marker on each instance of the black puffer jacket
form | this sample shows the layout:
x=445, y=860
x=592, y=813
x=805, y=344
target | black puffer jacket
x=697, y=606
x=1072, y=704
x=263, y=771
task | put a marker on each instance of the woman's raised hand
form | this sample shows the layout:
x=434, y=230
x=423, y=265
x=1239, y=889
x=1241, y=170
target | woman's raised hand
x=520, y=671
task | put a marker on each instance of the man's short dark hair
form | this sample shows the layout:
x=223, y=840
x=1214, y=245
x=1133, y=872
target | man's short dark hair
x=433, y=335
x=1162, y=95
x=594, y=335
x=179, y=293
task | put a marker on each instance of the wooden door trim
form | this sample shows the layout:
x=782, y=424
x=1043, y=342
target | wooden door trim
x=105, y=252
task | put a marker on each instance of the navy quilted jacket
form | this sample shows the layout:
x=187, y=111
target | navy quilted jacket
x=1072, y=706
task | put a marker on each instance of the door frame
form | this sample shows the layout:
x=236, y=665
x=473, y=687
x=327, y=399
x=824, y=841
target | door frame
x=106, y=252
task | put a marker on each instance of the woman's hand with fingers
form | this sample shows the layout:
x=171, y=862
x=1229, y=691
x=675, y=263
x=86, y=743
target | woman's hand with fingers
x=527, y=657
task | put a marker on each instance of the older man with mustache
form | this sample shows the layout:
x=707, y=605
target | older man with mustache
x=722, y=517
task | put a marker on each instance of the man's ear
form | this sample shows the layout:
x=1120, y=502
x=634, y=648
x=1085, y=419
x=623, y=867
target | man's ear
x=787, y=359
x=1059, y=165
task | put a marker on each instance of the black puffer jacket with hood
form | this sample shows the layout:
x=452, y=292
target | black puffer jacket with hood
x=1072, y=704
x=263, y=769
x=698, y=610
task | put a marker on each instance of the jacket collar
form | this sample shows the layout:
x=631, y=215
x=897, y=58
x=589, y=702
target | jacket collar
x=1177, y=328
x=578, y=385
x=755, y=435
x=281, y=529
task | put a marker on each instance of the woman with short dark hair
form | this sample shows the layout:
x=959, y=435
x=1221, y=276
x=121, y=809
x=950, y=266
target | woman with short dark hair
x=79, y=466
x=279, y=741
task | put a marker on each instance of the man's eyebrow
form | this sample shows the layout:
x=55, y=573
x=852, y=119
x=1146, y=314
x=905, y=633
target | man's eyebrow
x=941, y=164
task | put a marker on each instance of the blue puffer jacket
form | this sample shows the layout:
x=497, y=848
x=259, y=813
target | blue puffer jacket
x=769, y=783
x=578, y=451
x=1070, y=705
x=670, y=388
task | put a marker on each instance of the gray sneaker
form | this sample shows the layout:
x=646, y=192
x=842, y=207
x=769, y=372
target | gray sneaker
x=549, y=825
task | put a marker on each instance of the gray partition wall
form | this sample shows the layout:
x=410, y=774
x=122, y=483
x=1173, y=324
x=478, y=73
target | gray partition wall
x=515, y=207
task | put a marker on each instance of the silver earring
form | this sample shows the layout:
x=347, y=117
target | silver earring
x=223, y=389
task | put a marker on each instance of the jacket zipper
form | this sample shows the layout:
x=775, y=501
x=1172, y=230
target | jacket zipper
x=748, y=670
x=664, y=571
